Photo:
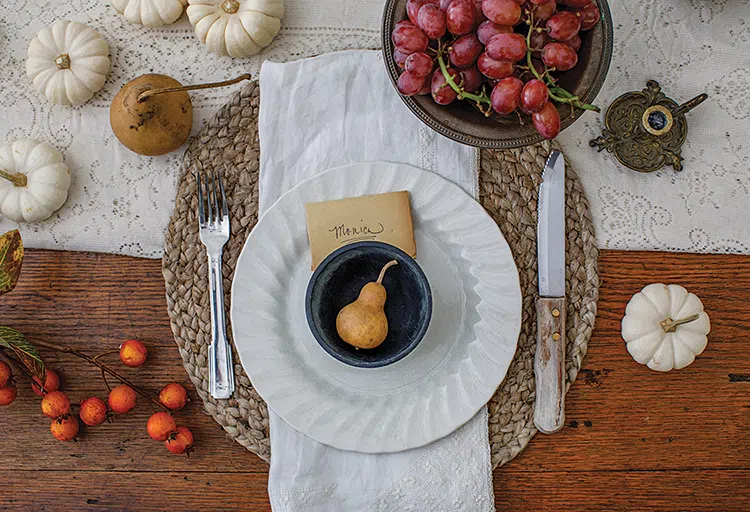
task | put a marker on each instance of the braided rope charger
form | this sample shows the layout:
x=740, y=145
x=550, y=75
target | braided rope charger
x=509, y=181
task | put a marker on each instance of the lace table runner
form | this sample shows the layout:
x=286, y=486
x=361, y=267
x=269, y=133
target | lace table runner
x=120, y=202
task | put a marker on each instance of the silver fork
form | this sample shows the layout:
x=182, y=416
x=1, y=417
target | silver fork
x=214, y=233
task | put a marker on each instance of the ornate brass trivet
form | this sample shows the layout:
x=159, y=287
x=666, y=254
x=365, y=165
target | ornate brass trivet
x=645, y=129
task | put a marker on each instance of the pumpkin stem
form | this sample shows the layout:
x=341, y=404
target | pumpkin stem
x=670, y=325
x=17, y=178
x=153, y=92
x=63, y=61
x=386, y=267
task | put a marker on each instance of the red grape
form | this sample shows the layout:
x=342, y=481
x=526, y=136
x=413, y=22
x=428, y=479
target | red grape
x=574, y=42
x=492, y=68
x=413, y=7
x=519, y=2
x=410, y=84
x=432, y=21
x=547, y=121
x=488, y=29
x=465, y=51
x=461, y=16
x=589, y=15
x=575, y=4
x=538, y=2
x=472, y=79
x=539, y=40
x=559, y=56
x=444, y=4
x=510, y=47
x=480, y=14
x=408, y=38
x=426, y=87
x=506, y=95
x=543, y=11
x=442, y=92
x=400, y=57
x=502, y=12
x=533, y=96
x=563, y=25
x=420, y=64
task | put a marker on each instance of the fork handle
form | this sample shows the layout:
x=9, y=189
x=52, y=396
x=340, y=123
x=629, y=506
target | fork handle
x=220, y=367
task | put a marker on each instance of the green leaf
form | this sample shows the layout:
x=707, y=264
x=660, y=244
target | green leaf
x=24, y=351
x=11, y=258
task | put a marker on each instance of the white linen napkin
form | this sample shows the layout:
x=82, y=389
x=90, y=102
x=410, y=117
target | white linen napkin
x=325, y=112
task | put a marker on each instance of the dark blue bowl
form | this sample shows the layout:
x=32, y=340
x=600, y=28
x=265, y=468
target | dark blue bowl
x=337, y=282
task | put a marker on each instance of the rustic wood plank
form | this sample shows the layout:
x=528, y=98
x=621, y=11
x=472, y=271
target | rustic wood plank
x=634, y=439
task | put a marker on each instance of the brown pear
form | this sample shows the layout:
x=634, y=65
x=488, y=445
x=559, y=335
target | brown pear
x=363, y=323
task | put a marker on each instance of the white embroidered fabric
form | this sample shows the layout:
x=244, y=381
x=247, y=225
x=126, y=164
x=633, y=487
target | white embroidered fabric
x=455, y=472
x=120, y=202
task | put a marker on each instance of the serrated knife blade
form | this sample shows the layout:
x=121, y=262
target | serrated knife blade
x=551, y=228
x=549, y=361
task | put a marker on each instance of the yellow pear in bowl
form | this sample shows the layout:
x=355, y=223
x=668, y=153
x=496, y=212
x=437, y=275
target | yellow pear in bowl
x=363, y=323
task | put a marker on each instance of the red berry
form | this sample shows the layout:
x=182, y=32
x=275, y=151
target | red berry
x=487, y=30
x=559, y=56
x=465, y=51
x=461, y=17
x=51, y=383
x=534, y=96
x=589, y=15
x=133, y=353
x=173, y=396
x=420, y=64
x=122, y=399
x=510, y=47
x=432, y=21
x=547, y=121
x=55, y=404
x=506, y=95
x=492, y=68
x=8, y=394
x=64, y=429
x=160, y=425
x=502, y=12
x=563, y=25
x=93, y=411
x=6, y=373
x=180, y=441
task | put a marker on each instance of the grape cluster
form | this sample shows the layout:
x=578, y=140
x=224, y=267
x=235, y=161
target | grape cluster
x=498, y=54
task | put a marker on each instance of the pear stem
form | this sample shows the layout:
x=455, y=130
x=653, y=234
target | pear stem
x=153, y=92
x=386, y=267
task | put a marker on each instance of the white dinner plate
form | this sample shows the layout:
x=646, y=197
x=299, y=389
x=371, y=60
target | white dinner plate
x=443, y=382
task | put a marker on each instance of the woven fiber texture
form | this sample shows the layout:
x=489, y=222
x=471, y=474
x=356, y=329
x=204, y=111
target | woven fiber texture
x=508, y=181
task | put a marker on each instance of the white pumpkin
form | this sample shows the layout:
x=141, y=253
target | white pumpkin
x=238, y=28
x=34, y=181
x=150, y=13
x=68, y=62
x=665, y=327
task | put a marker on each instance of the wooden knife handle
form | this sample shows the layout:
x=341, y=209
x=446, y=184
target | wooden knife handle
x=549, y=365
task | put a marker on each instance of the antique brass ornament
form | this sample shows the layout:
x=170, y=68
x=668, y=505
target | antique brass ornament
x=645, y=129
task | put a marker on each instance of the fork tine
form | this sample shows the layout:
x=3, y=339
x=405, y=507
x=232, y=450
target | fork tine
x=201, y=211
x=224, y=208
x=210, y=201
x=217, y=209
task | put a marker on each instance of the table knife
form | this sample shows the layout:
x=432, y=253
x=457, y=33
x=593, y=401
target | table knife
x=549, y=362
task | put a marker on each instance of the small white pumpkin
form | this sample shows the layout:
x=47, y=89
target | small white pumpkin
x=150, y=13
x=34, y=181
x=665, y=327
x=238, y=28
x=68, y=62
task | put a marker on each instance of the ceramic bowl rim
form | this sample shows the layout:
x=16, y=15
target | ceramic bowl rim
x=420, y=277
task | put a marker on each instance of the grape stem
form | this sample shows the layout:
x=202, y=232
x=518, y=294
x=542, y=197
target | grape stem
x=479, y=99
x=556, y=92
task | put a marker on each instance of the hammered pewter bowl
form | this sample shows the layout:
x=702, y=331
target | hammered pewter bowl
x=463, y=123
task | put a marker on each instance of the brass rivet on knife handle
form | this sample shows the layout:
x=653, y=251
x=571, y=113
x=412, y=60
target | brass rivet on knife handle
x=549, y=365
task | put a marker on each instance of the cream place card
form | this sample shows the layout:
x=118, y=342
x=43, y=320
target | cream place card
x=382, y=218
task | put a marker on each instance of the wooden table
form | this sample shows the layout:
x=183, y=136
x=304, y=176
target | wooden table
x=635, y=439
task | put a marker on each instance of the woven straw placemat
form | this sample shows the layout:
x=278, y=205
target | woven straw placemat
x=508, y=180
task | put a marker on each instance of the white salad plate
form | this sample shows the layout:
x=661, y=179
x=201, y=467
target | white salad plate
x=443, y=382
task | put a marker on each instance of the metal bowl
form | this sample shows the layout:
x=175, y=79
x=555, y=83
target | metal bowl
x=463, y=123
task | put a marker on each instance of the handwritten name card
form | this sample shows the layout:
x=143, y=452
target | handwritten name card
x=383, y=218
